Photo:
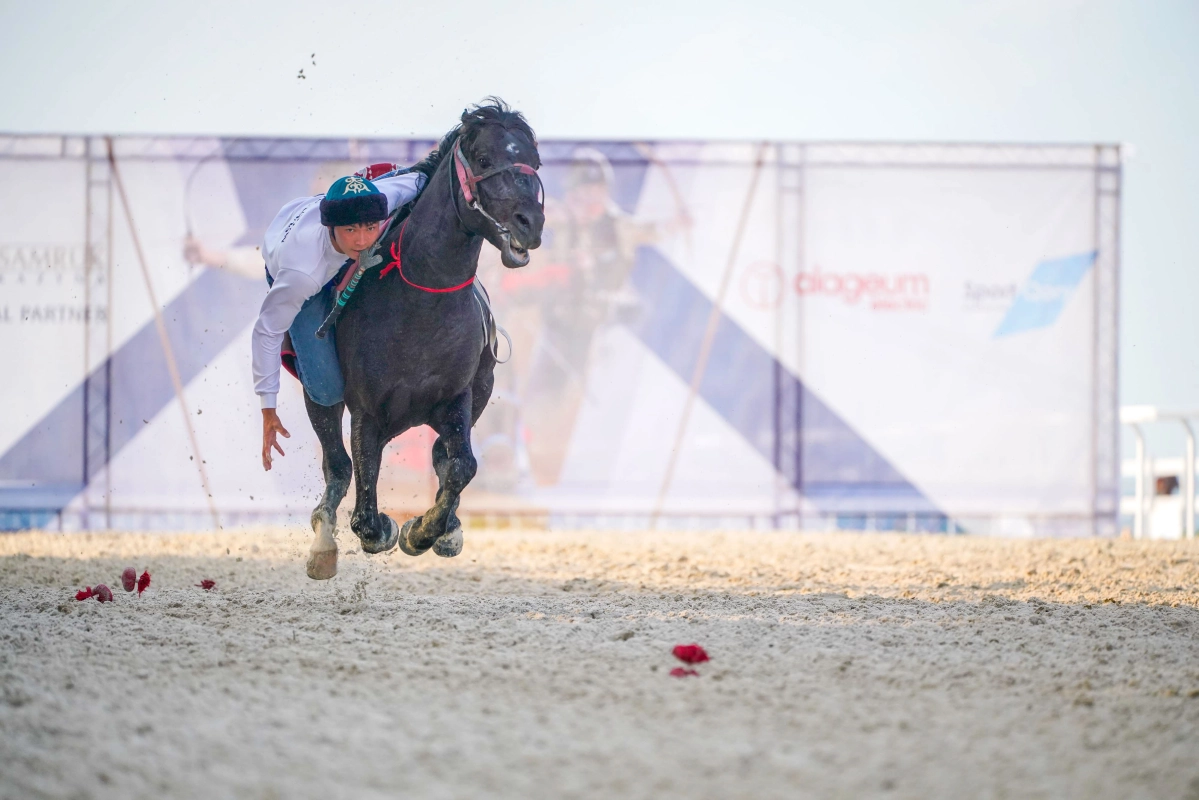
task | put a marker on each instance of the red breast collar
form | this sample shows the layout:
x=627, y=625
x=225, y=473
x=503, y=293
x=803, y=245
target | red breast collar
x=395, y=254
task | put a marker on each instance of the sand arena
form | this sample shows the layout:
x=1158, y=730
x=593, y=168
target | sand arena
x=536, y=665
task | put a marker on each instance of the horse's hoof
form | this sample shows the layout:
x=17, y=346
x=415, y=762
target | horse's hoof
x=322, y=565
x=449, y=544
x=384, y=544
x=405, y=541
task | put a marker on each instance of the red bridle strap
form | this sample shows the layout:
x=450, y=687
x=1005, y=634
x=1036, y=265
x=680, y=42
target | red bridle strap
x=467, y=178
x=395, y=254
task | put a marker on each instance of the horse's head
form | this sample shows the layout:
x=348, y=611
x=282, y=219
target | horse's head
x=495, y=162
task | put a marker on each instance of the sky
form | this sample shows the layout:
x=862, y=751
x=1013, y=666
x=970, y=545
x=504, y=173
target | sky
x=872, y=70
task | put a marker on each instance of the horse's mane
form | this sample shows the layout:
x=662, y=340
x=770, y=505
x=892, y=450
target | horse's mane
x=492, y=111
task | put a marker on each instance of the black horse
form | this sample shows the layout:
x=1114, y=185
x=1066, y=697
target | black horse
x=413, y=339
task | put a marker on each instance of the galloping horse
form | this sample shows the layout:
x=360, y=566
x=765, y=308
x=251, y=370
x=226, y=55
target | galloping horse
x=413, y=341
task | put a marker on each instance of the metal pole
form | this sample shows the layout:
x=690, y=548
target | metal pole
x=1188, y=472
x=705, y=347
x=165, y=341
x=1138, y=520
x=777, y=372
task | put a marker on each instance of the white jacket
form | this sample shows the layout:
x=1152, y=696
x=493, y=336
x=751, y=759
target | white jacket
x=299, y=256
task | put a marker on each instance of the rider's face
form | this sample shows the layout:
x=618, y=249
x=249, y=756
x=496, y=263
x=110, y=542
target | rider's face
x=353, y=239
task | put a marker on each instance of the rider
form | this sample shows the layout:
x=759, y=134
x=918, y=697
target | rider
x=307, y=247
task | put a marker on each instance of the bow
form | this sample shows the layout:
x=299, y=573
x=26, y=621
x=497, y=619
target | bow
x=672, y=185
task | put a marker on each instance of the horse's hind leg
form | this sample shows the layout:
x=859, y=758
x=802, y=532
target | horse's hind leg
x=455, y=466
x=335, y=462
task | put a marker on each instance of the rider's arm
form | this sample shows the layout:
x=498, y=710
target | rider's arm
x=400, y=188
x=279, y=308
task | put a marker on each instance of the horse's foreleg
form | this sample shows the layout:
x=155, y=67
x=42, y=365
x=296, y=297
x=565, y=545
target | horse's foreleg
x=377, y=532
x=335, y=463
x=455, y=466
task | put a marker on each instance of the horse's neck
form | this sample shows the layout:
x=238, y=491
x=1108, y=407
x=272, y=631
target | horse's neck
x=437, y=251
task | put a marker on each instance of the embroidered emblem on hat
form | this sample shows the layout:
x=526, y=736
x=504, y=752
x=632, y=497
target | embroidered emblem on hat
x=354, y=185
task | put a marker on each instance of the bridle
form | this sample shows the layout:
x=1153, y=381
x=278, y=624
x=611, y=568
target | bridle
x=468, y=180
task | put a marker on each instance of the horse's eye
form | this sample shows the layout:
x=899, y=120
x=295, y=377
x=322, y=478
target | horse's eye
x=485, y=163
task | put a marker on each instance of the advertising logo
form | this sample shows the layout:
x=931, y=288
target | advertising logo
x=40, y=284
x=1042, y=298
x=904, y=292
x=38, y=264
x=990, y=297
x=762, y=285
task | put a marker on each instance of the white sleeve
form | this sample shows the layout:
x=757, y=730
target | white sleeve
x=279, y=308
x=400, y=188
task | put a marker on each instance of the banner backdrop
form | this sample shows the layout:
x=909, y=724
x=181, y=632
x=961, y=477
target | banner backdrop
x=913, y=337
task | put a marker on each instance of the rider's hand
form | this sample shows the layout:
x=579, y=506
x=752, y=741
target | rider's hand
x=270, y=426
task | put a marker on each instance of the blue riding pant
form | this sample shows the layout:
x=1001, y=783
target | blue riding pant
x=316, y=359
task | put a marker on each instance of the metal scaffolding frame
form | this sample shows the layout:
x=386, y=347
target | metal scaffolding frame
x=1106, y=366
x=97, y=334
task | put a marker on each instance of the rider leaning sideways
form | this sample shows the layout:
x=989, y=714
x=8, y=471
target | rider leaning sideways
x=306, y=247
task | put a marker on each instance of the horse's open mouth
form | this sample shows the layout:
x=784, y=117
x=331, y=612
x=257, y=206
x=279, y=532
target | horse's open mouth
x=513, y=253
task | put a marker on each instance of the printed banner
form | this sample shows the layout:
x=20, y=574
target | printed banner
x=712, y=334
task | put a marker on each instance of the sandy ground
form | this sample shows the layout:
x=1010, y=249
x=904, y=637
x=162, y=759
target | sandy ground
x=537, y=665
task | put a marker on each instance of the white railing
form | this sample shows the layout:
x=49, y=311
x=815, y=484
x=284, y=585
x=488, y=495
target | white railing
x=1142, y=467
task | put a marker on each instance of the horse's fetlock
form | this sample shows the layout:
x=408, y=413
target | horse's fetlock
x=320, y=515
x=338, y=488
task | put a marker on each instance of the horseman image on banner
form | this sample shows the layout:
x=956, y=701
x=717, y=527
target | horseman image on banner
x=575, y=287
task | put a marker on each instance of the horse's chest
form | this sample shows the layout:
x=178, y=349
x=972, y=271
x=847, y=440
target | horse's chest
x=426, y=355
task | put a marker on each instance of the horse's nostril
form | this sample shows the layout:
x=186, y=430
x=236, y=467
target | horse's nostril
x=523, y=221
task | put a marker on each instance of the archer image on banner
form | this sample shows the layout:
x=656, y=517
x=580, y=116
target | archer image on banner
x=576, y=285
x=244, y=255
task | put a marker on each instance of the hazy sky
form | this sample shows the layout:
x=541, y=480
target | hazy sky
x=1006, y=70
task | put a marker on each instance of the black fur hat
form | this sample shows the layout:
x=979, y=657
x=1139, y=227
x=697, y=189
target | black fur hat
x=352, y=201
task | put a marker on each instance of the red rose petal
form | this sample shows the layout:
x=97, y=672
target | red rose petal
x=129, y=579
x=84, y=594
x=103, y=594
x=143, y=582
x=679, y=672
x=690, y=653
x=206, y=584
